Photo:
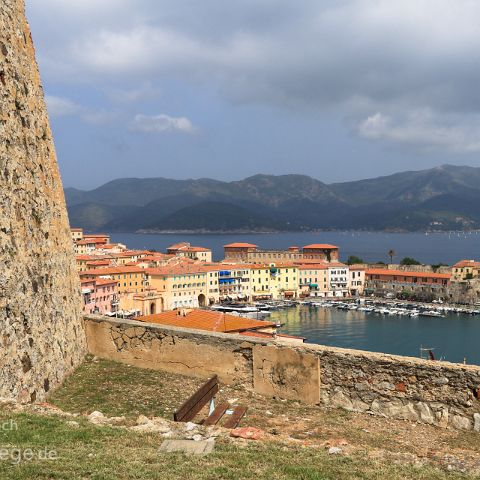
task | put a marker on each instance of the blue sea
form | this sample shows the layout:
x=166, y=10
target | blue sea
x=431, y=248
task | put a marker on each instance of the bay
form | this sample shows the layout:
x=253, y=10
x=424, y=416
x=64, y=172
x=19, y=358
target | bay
x=429, y=248
x=453, y=337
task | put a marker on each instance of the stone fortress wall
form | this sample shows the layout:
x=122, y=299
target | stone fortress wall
x=439, y=393
x=41, y=330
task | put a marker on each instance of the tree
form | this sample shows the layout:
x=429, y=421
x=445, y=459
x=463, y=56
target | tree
x=391, y=254
x=354, y=260
x=409, y=261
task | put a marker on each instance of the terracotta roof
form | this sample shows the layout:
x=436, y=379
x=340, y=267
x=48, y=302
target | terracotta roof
x=105, y=281
x=401, y=273
x=467, y=263
x=206, y=320
x=320, y=246
x=112, y=271
x=89, y=242
x=178, y=270
x=314, y=266
x=240, y=245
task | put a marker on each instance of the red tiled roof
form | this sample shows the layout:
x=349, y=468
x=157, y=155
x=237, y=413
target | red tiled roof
x=467, y=263
x=206, y=320
x=401, y=273
x=240, y=245
x=320, y=246
x=112, y=271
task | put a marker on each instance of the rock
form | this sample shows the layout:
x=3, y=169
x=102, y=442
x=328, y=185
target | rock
x=339, y=399
x=425, y=412
x=476, y=419
x=142, y=420
x=73, y=424
x=155, y=425
x=335, y=451
x=197, y=438
x=461, y=423
x=189, y=426
x=98, y=418
x=359, y=406
x=249, y=433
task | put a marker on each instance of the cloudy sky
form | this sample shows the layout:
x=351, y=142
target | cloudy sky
x=337, y=89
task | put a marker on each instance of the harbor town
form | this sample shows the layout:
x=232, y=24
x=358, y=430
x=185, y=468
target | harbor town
x=118, y=281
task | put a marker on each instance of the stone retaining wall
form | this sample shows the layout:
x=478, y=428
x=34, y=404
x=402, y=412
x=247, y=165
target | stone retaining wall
x=439, y=393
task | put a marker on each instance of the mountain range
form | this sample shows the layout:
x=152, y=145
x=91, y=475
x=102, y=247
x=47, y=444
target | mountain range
x=441, y=198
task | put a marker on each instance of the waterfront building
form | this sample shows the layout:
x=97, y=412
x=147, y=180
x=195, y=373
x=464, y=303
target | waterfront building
x=356, y=282
x=465, y=270
x=313, y=279
x=250, y=253
x=424, y=285
x=234, y=281
x=185, y=249
x=275, y=281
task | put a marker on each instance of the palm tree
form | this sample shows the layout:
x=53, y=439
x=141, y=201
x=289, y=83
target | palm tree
x=391, y=254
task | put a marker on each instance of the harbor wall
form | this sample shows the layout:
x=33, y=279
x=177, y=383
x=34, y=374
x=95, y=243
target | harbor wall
x=437, y=393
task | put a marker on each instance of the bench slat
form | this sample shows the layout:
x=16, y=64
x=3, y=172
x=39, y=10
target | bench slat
x=235, y=417
x=217, y=414
x=197, y=401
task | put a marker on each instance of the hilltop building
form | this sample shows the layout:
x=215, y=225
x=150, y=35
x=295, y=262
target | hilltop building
x=250, y=253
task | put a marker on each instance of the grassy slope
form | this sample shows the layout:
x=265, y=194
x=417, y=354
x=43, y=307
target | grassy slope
x=104, y=453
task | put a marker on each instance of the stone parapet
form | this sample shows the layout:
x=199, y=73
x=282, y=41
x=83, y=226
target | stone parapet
x=438, y=393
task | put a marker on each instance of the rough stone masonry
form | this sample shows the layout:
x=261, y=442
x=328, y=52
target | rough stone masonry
x=41, y=331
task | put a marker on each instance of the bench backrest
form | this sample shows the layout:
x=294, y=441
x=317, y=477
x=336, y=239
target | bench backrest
x=197, y=401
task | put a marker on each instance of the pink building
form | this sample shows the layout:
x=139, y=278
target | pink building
x=100, y=295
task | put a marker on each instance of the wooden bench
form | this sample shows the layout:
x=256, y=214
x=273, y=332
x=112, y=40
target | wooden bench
x=206, y=393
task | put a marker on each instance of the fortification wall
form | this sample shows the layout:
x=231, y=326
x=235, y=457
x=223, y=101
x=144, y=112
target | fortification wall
x=439, y=393
x=41, y=328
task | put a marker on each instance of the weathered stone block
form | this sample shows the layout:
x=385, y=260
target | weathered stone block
x=286, y=373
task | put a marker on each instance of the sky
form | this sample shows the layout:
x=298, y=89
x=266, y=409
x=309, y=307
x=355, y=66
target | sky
x=336, y=89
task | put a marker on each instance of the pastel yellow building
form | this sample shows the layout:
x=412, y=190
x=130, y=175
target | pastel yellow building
x=465, y=270
x=181, y=286
x=274, y=281
x=313, y=280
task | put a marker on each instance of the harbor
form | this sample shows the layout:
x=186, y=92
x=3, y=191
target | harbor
x=450, y=332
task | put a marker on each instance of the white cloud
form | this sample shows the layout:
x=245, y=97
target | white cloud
x=64, y=107
x=61, y=107
x=162, y=123
x=426, y=130
x=352, y=57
